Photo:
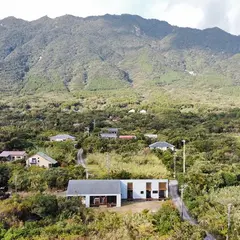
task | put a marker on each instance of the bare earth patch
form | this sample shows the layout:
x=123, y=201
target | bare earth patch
x=135, y=206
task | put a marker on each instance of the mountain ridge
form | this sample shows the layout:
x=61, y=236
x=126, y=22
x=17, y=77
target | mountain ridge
x=107, y=52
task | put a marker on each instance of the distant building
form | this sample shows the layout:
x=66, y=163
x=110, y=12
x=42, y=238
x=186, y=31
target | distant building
x=143, y=112
x=131, y=111
x=108, y=135
x=153, y=136
x=111, y=192
x=162, y=146
x=13, y=155
x=127, y=137
x=61, y=138
x=112, y=130
x=41, y=160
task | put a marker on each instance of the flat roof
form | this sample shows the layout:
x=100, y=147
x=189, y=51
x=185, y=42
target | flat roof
x=108, y=135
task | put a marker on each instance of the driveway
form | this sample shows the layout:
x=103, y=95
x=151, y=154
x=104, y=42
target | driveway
x=137, y=206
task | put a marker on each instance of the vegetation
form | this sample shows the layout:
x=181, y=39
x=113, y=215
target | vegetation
x=117, y=52
x=213, y=169
x=48, y=217
x=186, y=80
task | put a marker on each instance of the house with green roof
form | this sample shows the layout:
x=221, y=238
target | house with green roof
x=41, y=159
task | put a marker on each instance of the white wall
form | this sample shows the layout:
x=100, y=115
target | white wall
x=140, y=185
x=87, y=198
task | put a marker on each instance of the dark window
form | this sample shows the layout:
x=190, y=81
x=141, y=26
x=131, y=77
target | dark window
x=129, y=190
x=155, y=191
x=142, y=192
x=33, y=161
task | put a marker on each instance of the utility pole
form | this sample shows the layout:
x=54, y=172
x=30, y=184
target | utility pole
x=108, y=164
x=15, y=183
x=184, y=156
x=174, y=165
x=229, y=220
x=86, y=171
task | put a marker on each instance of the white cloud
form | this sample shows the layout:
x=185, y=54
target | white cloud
x=201, y=14
x=180, y=14
x=186, y=13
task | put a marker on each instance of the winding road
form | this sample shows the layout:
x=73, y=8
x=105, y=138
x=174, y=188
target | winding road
x=173, y=192
x=81, y=161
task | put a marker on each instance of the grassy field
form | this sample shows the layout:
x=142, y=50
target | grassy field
x=140, y=164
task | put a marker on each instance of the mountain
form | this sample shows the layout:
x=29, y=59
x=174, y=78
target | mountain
x=110, y=52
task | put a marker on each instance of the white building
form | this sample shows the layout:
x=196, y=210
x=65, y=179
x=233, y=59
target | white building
x=13, y=155
x=149, y=135
x=111, y=192
x=61, y=138
x=131, y=111
x=143, y=111
x=140, y=189
x=41, y=160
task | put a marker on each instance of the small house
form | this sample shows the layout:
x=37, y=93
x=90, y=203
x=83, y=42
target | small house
x=61, y=138
x=41, y=160
x=112, y=130
x=162, y=146
x=108, y=135
x=111, y=192
x=13, y=155
x=152, y=136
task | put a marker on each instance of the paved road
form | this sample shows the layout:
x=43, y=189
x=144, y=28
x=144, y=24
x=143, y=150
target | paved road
x=80, y=159
x=173, y=192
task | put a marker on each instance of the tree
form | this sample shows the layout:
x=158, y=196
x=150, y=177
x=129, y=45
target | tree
x=44, y=205
x=166, y=218
x=4, y=175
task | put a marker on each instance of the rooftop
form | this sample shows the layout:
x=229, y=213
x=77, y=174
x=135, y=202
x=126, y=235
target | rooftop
x=108, y=135
x=161, y=145
x=78, y=187
x=12, y=153
x=112, y=129
x=46, y=157
x=62, y=136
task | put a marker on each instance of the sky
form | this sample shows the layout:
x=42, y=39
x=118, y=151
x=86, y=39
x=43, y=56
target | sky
x=184, y=13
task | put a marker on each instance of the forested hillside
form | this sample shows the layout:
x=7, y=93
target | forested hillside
x=111, y=52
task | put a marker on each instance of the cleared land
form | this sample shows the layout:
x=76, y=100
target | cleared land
x=135, y=207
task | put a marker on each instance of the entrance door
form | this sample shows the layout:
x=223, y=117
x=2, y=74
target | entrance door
x=162, y=190
x=129, y=191
x=148, y=190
